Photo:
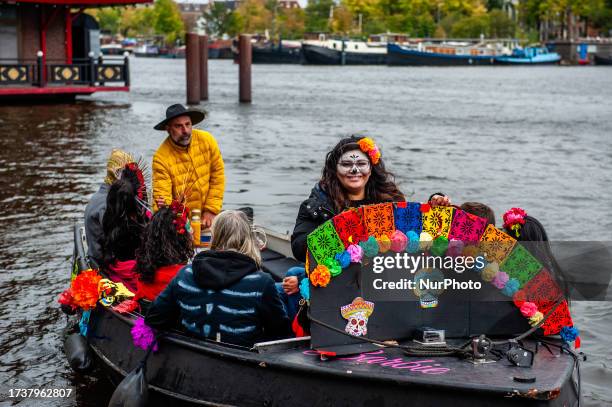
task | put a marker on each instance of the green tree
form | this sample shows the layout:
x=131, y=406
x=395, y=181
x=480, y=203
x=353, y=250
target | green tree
x=167, y=20
x=219, y=20
x=317, y=15
x=137, y=21
x=109, y=18
x=291, y=23
x=471, y=27
x=254, y=16
x=500, y=25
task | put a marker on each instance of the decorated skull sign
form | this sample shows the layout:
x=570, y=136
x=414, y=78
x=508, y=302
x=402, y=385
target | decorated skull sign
x=428, y=286
x=357, y=314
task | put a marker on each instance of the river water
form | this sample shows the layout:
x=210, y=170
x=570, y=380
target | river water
x=538, y=138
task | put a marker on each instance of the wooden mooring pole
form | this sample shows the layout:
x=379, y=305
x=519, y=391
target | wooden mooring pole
x=245, y=58
x=203, y=67
x=192, y=59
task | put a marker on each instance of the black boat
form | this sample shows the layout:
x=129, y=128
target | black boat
x=440, y=55
x=603, y=60
x=282, y=53
x=192, y=371
x=337, y=52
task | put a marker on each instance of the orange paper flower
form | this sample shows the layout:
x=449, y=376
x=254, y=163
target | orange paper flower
x=320, y=276
x=366, y=144
x=84, y=289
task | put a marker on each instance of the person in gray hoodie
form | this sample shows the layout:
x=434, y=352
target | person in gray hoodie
x=94, y=211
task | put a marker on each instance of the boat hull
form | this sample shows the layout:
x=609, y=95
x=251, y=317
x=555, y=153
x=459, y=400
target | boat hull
x=274, y=55
x=601, y=60
x=194, y=372
x=552, y=60
x=317, y=55
x=401, y=56
x=190, y=371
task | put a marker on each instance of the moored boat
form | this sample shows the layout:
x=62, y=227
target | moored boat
x=220, y=49
x=147, y=51
x=341, y=52
x=193, y=371
x=113, y=49
x=444, y=54
x=284, y=52
x=603, y=60
x=529, y=56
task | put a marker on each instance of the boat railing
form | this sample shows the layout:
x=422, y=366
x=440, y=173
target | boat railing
x=41, y=72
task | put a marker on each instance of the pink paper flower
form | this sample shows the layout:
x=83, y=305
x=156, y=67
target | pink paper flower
x=529, y=309
x=356, y=253
x=500, y=280
x=142, y=335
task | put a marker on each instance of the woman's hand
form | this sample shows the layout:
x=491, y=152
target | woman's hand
x=290, y=285
x=440, y=200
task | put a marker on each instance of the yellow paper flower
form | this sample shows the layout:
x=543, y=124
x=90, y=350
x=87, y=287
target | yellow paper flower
x=536, y=318
x=426, y=240
x=384, y=244
x=470, y=251
x=490, y=271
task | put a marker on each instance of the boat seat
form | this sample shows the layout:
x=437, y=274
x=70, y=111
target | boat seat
x=268, y=254
x=278, y=267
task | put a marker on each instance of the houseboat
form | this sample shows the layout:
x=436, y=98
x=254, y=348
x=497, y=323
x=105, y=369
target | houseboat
x=446, y=53
x=529, y=56
x=343, y=52
x=51, y=48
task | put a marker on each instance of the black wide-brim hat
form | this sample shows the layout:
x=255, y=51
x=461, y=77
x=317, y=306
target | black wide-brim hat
x=179, y=110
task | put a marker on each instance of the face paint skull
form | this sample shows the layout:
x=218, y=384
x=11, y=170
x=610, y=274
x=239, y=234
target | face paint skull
x=428, y=287
x=354, y=162
x=357, y=324
x=357, y=314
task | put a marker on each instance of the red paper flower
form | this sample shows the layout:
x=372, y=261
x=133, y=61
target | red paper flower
x=66, y=299
x=514, y=219
x=181, y=212
x=84, y=289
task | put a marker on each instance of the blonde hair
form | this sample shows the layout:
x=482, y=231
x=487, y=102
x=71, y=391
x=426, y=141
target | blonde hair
x=231, y=231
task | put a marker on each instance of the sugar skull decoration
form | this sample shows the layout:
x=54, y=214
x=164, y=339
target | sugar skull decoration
x=357, y=314
x=427, y=286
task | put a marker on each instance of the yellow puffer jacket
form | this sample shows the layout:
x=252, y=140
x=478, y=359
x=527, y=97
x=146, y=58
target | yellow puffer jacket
x=197, y=168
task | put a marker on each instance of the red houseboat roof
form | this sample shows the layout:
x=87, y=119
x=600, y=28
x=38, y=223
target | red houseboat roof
x=86, y=3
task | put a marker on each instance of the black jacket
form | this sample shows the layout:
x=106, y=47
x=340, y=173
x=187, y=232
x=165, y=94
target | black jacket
x=222, y=295
x=314, y=211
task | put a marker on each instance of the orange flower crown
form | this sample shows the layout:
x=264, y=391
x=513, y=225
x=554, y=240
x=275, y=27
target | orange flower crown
x=368, y=146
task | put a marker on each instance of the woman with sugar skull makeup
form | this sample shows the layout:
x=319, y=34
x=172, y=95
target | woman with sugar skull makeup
x=354, y=174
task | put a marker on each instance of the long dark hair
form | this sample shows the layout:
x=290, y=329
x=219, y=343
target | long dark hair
x=162, y=245
x=535, y=239
x=122, y=223
x=380, y=187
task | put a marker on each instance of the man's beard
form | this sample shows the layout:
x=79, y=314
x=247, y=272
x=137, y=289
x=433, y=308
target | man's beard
x=184, y=140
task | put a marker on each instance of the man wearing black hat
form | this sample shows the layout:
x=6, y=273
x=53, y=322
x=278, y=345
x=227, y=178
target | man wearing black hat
x=188, y=165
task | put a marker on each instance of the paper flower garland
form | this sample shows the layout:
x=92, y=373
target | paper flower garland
x=371, y=230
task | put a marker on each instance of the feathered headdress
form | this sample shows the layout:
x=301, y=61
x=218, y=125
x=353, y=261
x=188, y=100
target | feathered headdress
x=137, y=173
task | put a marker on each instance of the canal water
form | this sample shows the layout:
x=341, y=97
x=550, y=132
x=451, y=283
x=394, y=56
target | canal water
x=538, y=138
